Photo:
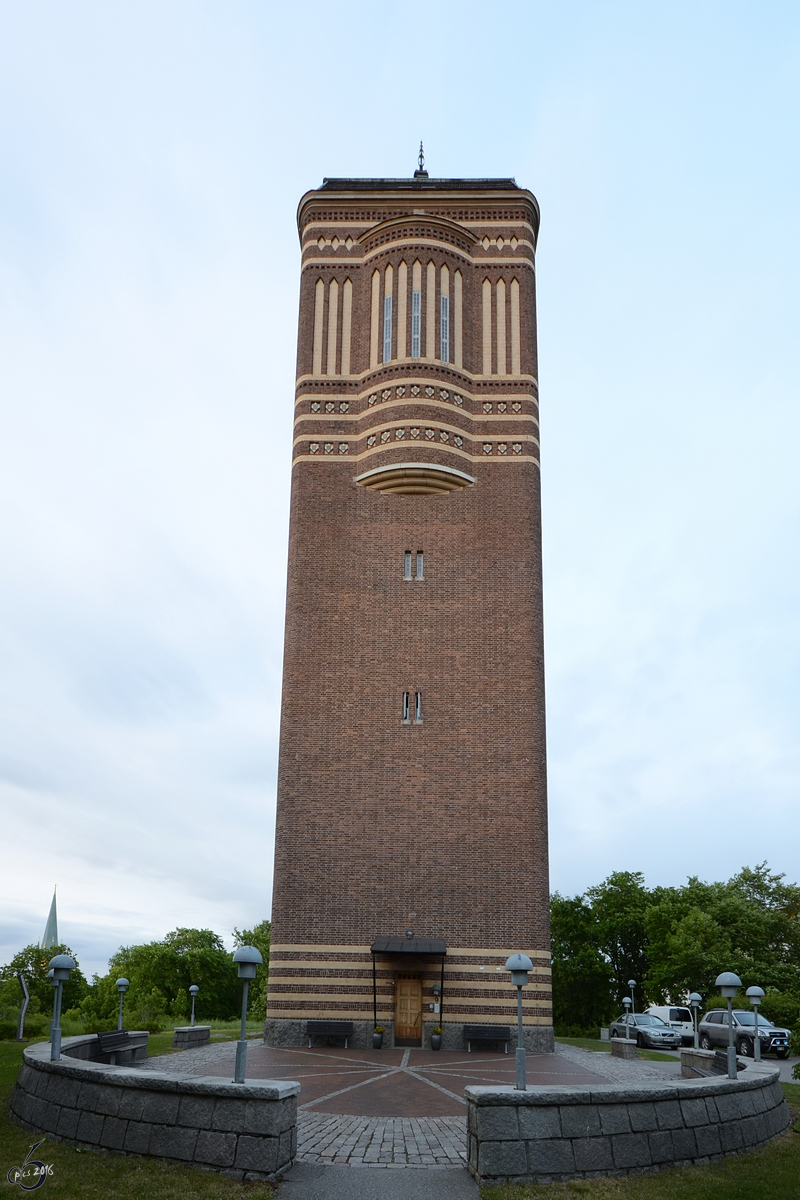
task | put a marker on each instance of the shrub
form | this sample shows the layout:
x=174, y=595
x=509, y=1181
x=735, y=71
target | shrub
x=179, y=1008
x=577, y=1031
x=150, y=1013
x=782, y=1008
x=98, y=1025
x=36, y=1025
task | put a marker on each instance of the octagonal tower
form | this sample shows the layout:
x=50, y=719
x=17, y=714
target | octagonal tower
x=411, y=839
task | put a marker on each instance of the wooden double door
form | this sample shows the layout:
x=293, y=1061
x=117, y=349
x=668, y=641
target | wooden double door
x=408, y=1011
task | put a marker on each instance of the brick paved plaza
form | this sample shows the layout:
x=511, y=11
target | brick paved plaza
x=392, y=1108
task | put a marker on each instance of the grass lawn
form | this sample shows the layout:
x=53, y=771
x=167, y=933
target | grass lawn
x=84, y=1175
x=772, y=1173
x=605, y=1048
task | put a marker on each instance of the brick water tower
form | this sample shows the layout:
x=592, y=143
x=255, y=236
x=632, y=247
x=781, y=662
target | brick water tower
x=411, y=839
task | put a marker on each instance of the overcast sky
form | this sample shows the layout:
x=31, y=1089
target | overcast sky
x=151, y=159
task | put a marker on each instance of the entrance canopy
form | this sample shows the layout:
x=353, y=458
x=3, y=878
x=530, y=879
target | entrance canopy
x=405, y=945
x=412, y=948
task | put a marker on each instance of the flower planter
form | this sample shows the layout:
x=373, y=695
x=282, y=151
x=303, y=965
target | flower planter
x=436, y=1041
x=377, y=1041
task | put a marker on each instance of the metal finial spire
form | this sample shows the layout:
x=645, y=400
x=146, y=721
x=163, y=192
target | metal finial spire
x=420, y=172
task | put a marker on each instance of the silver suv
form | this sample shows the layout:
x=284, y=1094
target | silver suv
x=713, y=1030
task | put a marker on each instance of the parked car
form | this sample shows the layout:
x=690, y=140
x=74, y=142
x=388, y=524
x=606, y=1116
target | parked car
x=646, y=1030
x=680, y=1019
x=713, y=1030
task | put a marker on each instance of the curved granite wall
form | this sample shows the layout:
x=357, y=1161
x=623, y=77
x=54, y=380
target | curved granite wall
x=246, y=1130
x=548, y=1134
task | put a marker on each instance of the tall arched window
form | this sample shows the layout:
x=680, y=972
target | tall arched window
x=444, y=315
x=416, y=310
x=388, y=282
x=373, y=321
x=333, y=324
x=319, y=316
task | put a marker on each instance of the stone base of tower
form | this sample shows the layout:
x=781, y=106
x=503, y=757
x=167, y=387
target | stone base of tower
x=283, y=1031
x=286, y=1031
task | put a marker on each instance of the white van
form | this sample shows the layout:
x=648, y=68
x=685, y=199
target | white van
x=679, y=1018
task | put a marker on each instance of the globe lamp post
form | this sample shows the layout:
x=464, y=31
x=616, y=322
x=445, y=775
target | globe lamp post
x=695, y=1000
x=61, y=966
x=519, y=965
x=247, y=959
x=122, y=986
x=632, y=986
x=756, y=995
x=729, y=985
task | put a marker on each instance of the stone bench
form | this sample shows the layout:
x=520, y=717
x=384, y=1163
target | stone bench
x=189, y=1037
x=495, y=1034
x=121, y=1048
x=624, y=1048
x=329, y=1029
x=130, y=1047
x=700, y=1064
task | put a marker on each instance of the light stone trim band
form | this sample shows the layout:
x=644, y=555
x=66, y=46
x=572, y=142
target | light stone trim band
x=464, y=1014
x=339, y=418
x=403, y=244
x=452, y=951
x=475, y=377
x=363, y=970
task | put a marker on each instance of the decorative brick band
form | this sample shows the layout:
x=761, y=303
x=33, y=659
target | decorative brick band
x=549, y=1134
x=245, y=1130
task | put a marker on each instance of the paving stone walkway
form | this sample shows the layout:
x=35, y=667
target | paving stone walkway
x=619, y=1070
x=382, y=1141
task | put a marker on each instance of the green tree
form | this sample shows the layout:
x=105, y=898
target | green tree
x=673, y=941
x=159, y=972
x=685, y=941
x=619, y=905
x=583, y=996
x=259, y=937
x=33, y=962
x=748, y=925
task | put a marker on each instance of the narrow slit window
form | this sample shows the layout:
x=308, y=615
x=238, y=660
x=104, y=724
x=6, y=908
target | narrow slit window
x=407, y=565
x=444, y=329
x=387, y=329
x=418, y=706
x=416, y=323
x=405, y=706
x=420, y=565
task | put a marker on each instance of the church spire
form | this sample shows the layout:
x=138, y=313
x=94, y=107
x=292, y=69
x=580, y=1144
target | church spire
x=51, y=928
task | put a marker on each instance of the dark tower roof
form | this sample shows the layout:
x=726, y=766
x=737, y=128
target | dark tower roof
x=418, y=183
